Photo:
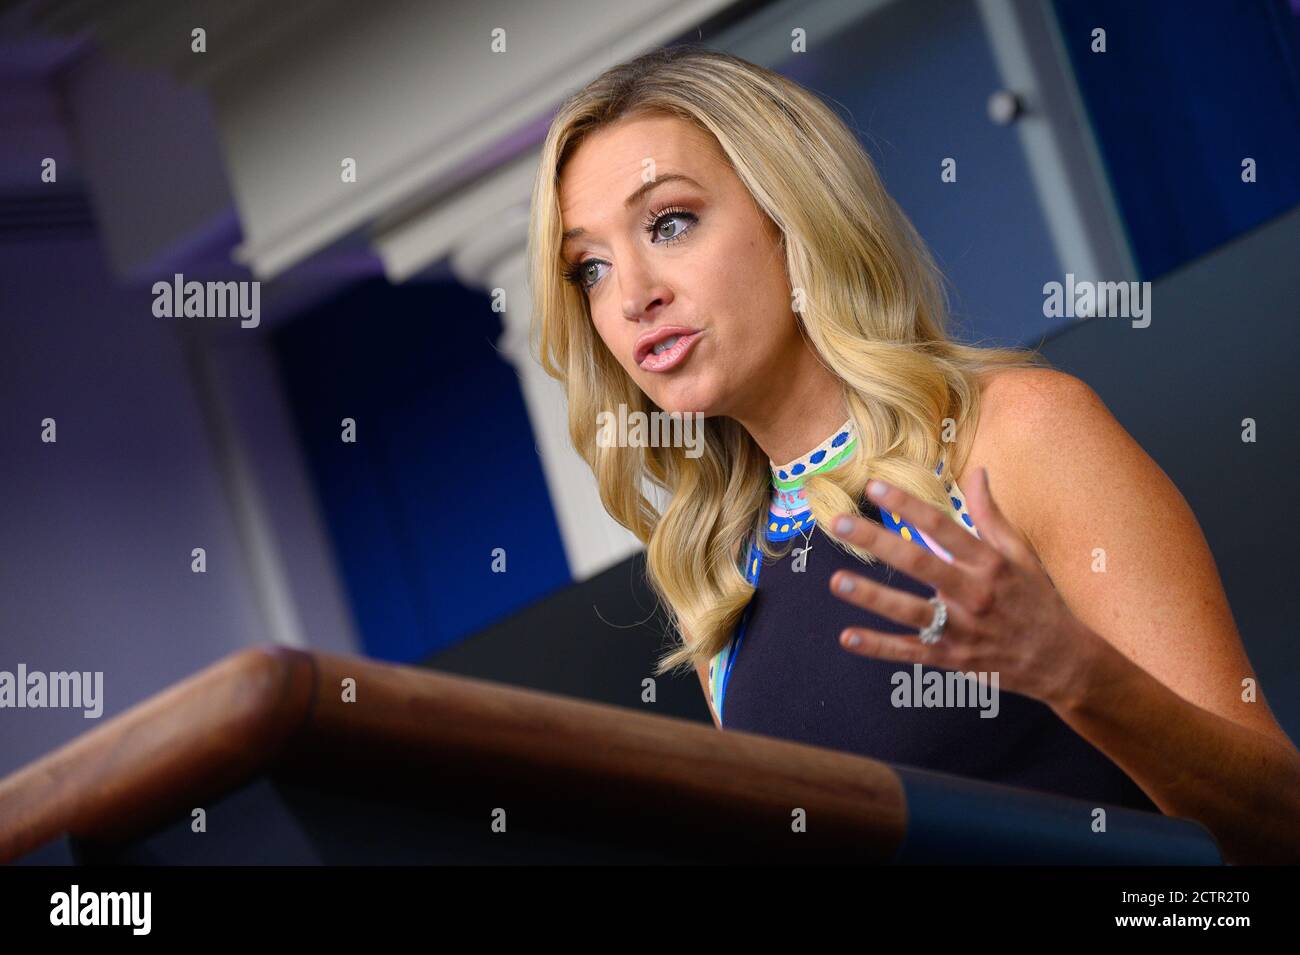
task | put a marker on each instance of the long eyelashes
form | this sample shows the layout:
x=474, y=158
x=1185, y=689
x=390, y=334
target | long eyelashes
x=650, y=224
x=574, y=274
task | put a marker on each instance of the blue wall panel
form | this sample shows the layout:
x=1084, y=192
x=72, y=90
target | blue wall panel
x=443, y=471
x=1185, y=90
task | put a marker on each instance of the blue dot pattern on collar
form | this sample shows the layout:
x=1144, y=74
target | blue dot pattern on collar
x=788, y=513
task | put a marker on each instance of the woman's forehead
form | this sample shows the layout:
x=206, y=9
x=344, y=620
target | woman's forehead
x=614, y=171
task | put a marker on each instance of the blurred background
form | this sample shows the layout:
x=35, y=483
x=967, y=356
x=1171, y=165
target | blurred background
x=145, y=139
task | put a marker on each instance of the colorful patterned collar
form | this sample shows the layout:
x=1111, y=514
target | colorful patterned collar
x=721, y=664
x=789, y=513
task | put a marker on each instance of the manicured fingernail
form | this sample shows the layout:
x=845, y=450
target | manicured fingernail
x=845, y=585
x=843, y=525
x=852, y=640
x=877, y=488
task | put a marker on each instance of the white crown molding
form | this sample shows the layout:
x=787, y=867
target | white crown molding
x=413, y=90
x=496, y=205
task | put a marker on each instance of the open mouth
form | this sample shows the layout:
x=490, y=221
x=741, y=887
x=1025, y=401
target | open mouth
x=669, y=352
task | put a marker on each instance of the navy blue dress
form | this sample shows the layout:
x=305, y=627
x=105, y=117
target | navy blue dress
x=786, y=675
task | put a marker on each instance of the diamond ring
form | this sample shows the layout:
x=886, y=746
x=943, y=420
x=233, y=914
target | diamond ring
x=934, y=631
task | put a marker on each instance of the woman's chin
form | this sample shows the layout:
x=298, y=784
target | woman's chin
x=686, y=401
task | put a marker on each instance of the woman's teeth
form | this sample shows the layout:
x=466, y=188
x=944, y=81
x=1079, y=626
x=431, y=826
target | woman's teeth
x=666, y=344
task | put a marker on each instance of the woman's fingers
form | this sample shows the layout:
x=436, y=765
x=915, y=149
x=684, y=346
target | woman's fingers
x=911, y=557
x=891, y=646
x=961, y=544
x=994, y=526
x=906, y=609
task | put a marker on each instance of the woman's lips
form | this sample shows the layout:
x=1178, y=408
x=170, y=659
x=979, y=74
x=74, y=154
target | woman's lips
x=672, y=357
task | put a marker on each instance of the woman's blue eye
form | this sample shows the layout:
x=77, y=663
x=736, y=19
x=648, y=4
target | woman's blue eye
x=667, y=215
x=667, y=218
x=574, y=274
x=578, y=274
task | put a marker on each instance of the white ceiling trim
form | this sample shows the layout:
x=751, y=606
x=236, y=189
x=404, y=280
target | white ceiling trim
x=274, y=243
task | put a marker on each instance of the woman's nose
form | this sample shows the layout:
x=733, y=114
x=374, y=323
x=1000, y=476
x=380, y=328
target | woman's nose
x=641, y=289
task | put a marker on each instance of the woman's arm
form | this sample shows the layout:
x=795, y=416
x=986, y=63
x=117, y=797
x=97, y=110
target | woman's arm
x=1240, y=784
x=1091, y=588
x=1167, y=693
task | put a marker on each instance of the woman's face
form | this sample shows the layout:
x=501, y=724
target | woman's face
x=671, y=240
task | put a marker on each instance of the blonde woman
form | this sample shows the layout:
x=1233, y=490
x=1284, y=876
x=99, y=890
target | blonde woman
x=708, y=237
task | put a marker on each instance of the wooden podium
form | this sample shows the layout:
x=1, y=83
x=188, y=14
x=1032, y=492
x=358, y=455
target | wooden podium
x=301, y=757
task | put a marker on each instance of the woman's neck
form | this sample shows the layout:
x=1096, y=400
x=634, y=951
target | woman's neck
x=797, y=414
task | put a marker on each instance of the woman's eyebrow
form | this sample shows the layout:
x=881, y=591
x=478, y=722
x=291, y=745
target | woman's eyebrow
x=632, y=199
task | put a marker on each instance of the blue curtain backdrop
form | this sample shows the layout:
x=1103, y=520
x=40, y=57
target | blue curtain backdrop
x=443, y=469
x=1184, y=92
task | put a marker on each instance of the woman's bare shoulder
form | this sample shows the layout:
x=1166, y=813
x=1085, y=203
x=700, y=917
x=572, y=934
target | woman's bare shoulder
x=1011, y=399
x=1019, y=409
x=1032, y=384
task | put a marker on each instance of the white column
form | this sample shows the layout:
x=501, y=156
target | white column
x=492, y=256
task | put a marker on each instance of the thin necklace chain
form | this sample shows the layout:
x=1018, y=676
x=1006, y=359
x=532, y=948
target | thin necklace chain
x=807, y=542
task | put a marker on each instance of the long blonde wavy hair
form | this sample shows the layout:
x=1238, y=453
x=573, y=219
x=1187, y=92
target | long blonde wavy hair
x=873, y=309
